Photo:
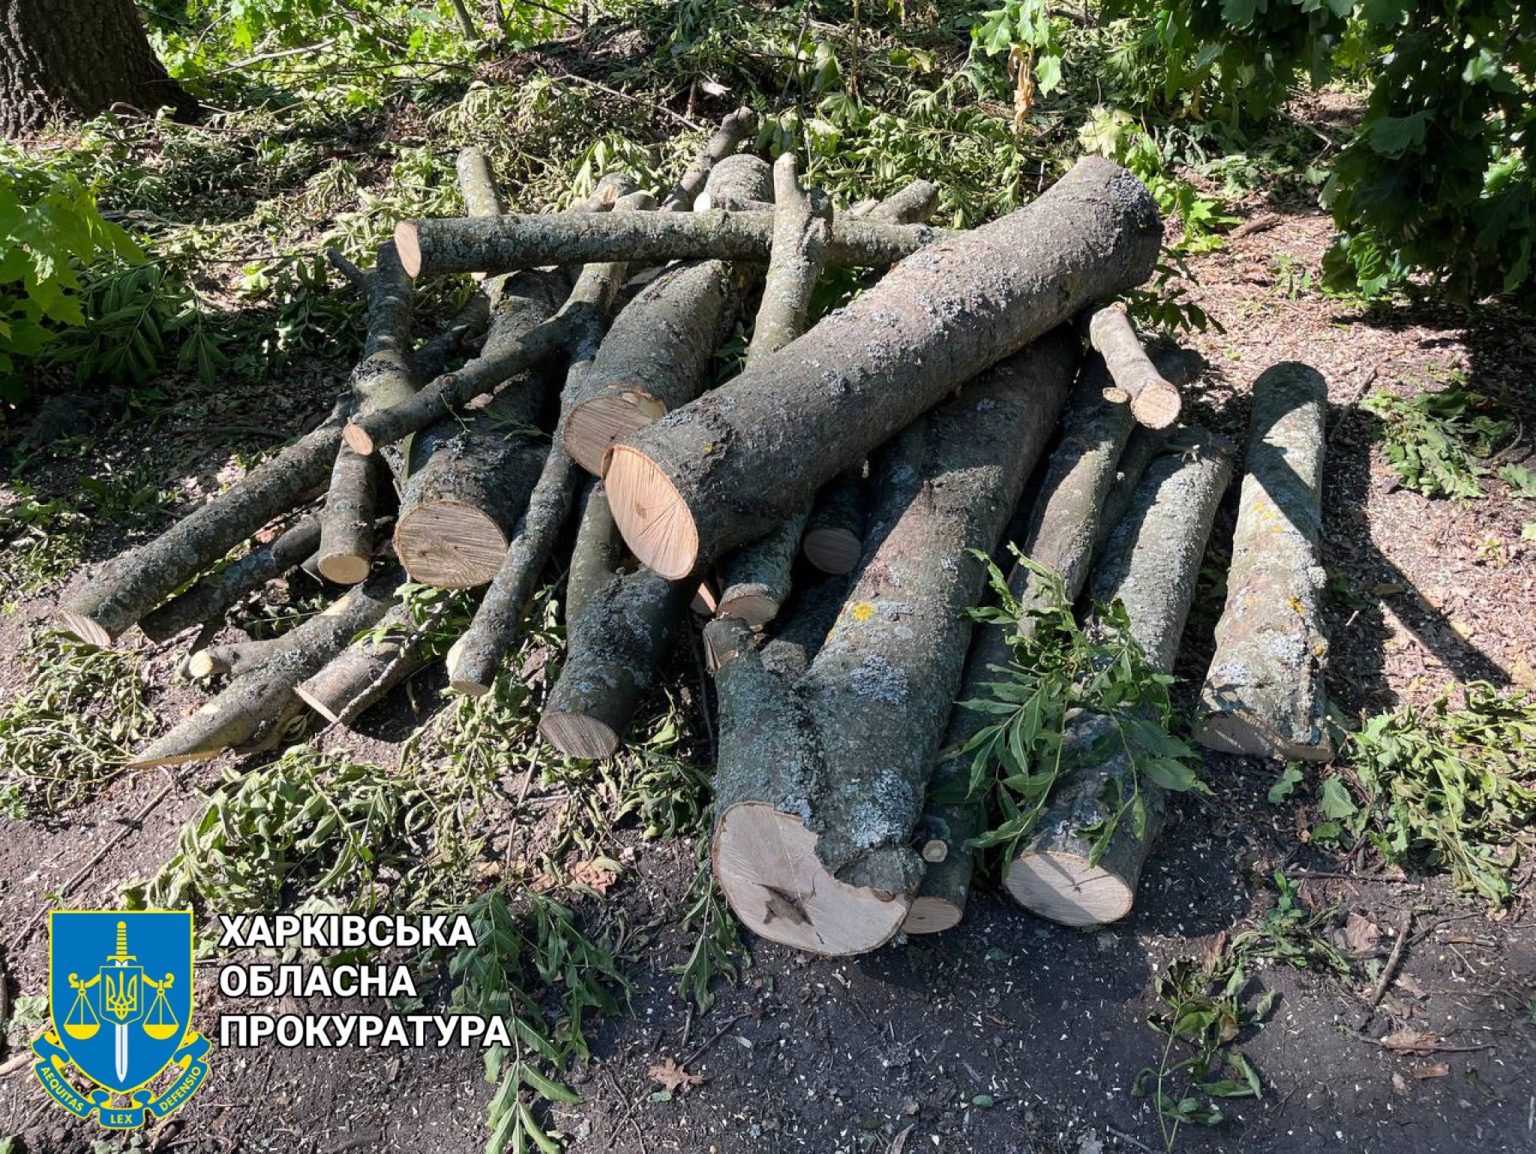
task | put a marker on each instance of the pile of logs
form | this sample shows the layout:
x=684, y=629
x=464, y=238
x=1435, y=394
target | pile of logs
x=826, y=509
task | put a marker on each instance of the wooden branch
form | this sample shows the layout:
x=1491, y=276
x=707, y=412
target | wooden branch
x=1155, y=402
x=366, y=670
x=235, y=659
x=834, y=532
x=727, y=138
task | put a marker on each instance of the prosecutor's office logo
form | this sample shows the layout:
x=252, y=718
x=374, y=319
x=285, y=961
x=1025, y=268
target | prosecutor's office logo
x=120, y=998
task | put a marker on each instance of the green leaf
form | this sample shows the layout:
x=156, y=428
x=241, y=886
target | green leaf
x=1285, y=785
x=1336, y=802
x=1394, y=135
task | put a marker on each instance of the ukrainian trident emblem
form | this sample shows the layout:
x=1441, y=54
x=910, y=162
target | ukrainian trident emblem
x=123, y=1026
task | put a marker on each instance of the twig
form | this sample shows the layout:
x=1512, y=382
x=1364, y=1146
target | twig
x=265, y=56
x=361, y=281
x=1126, y=1138
x=715, y=1037
x=17, y=1061
x=1323, y=875
x=129, y=826
x=629, y=1110
x=5, y=996
x=1394, y=959
x=1420, y=1047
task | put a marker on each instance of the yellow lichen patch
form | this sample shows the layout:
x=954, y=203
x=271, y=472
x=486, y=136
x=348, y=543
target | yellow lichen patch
x=863, y=611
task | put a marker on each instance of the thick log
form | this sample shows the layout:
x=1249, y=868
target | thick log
x=252, y=710
x=1151, y=565
x=1155, y=402
x=214, y=594
x=657, y=354
x=367, y=432
x=834, y=532
x=1059, y=530
x=726, y=139
x=461, y=244
x=234, y=659
x=1264, y=692
x=131, y=585
x=384, y=377
x=822, y=778
x=366, y=670
x=727, y=467
x=755, y=578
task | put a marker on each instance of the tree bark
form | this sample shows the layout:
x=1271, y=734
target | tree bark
x=1151, y=565
x=253, y=709
x=1264, y=692
x=658, y=352
x=1155, y=402
x=822, y=778
x=384, y=377
x=458, y=245
x=63, y=60
x=726, y=139
x=127, y=588
x=366, y=670
x=1060, y=530
x=212, y=596
x=727, y=467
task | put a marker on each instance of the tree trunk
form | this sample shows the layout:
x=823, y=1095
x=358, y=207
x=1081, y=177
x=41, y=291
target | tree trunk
x=64, y=60
x=1151, y=565
x=726, y=139
x=727, y=467
x=1264, y=692
x=822, y=778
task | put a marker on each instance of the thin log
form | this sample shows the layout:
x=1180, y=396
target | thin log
x=1059, y=530
x=252, y=710
x=596, y=555
x=367, y=669
x=458, y=245
x=1151, y=565
x=834, y=532
x=727, y=467
x=1264, y=692
x=822, y=778
x=123, y=591
x=726, y=139
x=658, y=353
x=386, y=376
x=910, y=204
x=367, y=432
x=755, y=578
x=214, y=594
x=234, y=659
x=1155, y=402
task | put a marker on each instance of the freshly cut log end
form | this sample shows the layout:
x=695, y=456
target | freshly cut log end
x=770, y=875
x=450, y=545
x=358, y=440
x=654, y=519
x=1064, y=887
x=84, y=628
x=1158, y=406
x=833, y=550
x=344, y=568
x=932, y=915
x=597, y=424
x=754, y=609
x=578, y=735
x=408, y=246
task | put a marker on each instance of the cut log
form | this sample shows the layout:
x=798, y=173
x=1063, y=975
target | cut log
x=755, y=578
x=1151, y=565
x=1264, y=692
x=726, y=139
x=597, y=554
x=658, y=353
x=614, y=644
x=235, y=659
x=367, y=432
x=727, y=467
x=1155, y=402
x=384, y=377
x=214, y=594
x=366, y=670
x=834, y=532
x=253, y=709
x=127, y=588
x=822, y=778
x=1059, y=531
x=462, y=244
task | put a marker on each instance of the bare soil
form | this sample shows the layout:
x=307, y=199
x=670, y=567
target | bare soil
x=1010, y=1033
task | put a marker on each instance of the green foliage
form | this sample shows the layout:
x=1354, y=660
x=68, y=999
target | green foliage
x=67, y=733
x=1521, y=482
x=1203, y=1012
x=717, y=947
x=1443, y=788
x=538, y=971
x=1057, y=671
x=1436, y=441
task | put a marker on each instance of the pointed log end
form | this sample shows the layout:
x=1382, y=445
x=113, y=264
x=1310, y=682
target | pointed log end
x=84, y=628
x=357, y=439
x=408, y=246
x=326, y=709
x=766, y=864
x=652, y=517
x=450, y=545
x=577, y=735
x=1157, y=406
x=833, y=551
x=1063, y=887
x=930, y=915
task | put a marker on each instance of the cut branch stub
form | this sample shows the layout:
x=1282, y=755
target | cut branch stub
x=1151, y=565
x=1155, y=402
x=836, y=762
x=1264, y=692
x=725, y=468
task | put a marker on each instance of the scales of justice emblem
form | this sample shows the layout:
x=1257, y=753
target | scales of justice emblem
x=122, y=1025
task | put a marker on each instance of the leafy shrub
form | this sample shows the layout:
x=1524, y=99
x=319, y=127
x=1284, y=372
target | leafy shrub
x=1435, y=442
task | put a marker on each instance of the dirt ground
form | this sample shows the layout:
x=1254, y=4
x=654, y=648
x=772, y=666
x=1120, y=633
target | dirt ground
x=1010, y=1033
